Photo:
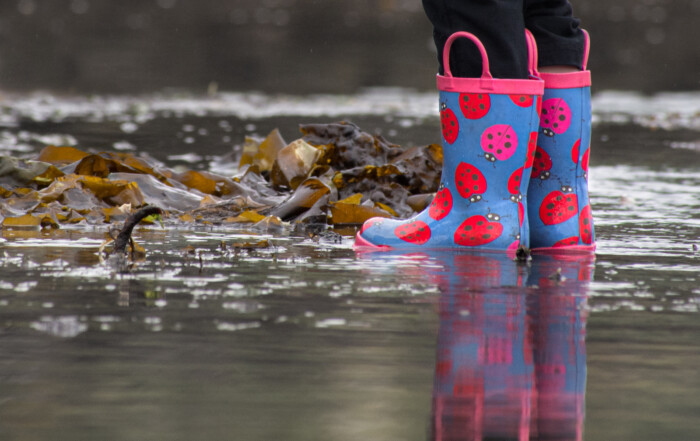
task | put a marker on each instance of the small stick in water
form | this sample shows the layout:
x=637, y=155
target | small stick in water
x=124, y=235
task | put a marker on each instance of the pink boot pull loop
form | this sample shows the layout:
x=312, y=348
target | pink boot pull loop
x=485, y=73
x=587, y=49
x=532, y=58
x=486, y=83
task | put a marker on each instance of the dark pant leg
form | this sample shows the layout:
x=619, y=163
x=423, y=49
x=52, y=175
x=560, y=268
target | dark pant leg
x=559, y=37
x=500, y=26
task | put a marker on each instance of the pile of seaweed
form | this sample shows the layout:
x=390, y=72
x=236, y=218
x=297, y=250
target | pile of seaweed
x=334, y=174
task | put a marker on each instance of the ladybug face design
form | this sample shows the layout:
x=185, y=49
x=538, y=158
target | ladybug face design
x=566, y=189
x=449, y=123
x=542, y=164
x=476, y=231
x=470, y=182
x=556, y=117
x=558, y=207
x=499, y=142
x=413, y=231
x=493, y=217
x=474, y=105
x=441, y=204
x=514, y=185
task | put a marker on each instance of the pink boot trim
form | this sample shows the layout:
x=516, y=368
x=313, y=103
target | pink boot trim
x=574, y=249
x=362, y=243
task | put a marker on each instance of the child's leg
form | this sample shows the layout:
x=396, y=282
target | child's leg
x=560, y=41
x=500, y=26
x=559, y=210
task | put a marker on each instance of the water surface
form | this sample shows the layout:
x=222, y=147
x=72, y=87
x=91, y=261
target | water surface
x=307, y=339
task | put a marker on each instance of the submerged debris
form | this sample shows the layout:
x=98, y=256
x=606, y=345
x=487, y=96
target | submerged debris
x=335, y=174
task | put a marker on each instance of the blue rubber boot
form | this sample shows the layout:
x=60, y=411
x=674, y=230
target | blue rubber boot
x=489, y=132
x=559, y=209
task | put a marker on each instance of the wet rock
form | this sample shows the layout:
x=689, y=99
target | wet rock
x=419, y=202
x=327, y=236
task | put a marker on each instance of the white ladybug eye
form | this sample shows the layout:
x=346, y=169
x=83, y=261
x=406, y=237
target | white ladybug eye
x=490, y=157
x=493, y=217
x=475, y=198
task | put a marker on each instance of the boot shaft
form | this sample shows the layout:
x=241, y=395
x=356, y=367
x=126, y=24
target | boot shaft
x=489, y=127
x=559, y=209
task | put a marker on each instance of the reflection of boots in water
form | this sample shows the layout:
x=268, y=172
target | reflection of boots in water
x=511, y=360
x=489, y=132
x=559, y=210
x=484, y=372
x=559, y=330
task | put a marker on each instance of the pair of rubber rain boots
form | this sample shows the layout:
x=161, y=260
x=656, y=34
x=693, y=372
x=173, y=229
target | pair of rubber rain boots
x=515, y=169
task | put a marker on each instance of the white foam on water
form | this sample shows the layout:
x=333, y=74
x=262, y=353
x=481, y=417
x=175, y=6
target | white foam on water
x=666, y=110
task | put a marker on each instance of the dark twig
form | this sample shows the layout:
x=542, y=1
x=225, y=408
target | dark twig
x=124, y=236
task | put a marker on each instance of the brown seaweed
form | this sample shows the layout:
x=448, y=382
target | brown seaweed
x=335, y=174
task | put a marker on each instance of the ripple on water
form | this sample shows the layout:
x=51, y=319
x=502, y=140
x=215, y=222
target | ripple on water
x=62, y=326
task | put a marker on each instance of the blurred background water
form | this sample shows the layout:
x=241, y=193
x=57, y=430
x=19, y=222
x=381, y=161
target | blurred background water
x=301, y=46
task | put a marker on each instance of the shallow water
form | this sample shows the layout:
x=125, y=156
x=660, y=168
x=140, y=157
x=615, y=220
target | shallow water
x=308, y=340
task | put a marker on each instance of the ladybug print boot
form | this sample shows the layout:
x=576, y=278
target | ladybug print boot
x=489, y=130
x=559, y=210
